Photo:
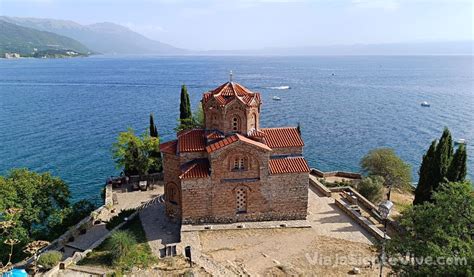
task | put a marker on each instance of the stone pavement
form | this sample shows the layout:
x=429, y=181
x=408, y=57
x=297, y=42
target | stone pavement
x=84, y=241
x=159, y=230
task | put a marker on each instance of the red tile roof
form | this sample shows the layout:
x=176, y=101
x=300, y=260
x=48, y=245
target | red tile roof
x=255, y=133
x=191, y=141
x=195, y=169
x=282, y=137
x=288, y=165
x=214, y=134
x=169, y=147
x=231, y=139
x=229, y=91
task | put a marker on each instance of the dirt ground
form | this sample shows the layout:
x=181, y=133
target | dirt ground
x=333, y=246
x=283, y=252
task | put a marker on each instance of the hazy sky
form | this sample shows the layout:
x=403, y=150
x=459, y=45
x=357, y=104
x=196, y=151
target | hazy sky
x=244, y=24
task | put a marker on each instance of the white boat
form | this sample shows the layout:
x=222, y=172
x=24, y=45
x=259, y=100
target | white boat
x=460, y=141
x=425, y=104
x=276, y=98
x=280, y=87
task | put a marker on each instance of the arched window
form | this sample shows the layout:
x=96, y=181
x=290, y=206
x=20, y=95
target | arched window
x=172, y=193
x=254, y=121
x=241, y=200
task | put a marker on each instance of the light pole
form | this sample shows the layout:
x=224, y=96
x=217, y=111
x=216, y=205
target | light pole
x=384, y=209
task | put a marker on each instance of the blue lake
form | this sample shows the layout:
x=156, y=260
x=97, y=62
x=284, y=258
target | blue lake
x=62, y=115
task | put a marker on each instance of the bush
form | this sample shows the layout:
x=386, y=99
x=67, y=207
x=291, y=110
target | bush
x=50, y=259
x=371, y=188
x=116, y=220
x=120, y=244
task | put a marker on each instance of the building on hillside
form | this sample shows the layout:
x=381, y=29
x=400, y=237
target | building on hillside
x=234, y=170
x=11, y=56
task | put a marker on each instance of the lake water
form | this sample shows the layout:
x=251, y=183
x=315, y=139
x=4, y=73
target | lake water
x=62, y=115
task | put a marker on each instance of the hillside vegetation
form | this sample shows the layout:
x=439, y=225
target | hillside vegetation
x=106, y=38
x=30, y=42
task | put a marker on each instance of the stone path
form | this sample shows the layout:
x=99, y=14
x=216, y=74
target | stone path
x=158, y=229
x=84, y=241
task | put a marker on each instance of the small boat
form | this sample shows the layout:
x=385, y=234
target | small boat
x=280, y=87
x=425, y=104
x=276, y=98
x=460, y=141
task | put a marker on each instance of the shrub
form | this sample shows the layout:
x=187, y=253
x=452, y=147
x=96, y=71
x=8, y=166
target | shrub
x=50, y=259
x=371, y=188
x=121, y=244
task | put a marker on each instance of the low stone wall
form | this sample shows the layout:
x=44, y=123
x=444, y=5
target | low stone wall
x=342, y=174
x=370, y=207
x=320, y=187
x=362, y=221
x=152, y=179
x=81, y=255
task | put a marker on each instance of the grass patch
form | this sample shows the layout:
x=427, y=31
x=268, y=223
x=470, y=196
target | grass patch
x=140, y=256
x=116, y=220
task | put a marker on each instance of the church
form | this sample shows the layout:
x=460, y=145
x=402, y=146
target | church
x=234, y=170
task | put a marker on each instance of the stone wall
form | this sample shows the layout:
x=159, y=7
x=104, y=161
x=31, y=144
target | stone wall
x=171, y=172
x=268, y=197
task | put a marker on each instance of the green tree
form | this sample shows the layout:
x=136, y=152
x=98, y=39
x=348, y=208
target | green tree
x=153, y=129
x=458, y=169
x=136, y=155
x=155, y=154
x=443, y=158
x=423, y=189
x=384, y=162
x=371, y=188
x=438, y=230
x=185, y=105
x=46, y=211
x=198, y=116
x=439, y=166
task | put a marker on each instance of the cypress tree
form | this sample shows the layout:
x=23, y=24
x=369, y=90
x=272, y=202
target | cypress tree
x=298, y=128
x=458, y=169
x=185, y=105
x=153, y=130
x=423, y=189
x=444, y=156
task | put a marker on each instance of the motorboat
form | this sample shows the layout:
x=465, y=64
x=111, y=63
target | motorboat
x=425, y=104
x=276, y=98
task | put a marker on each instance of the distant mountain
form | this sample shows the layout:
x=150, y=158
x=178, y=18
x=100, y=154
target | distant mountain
x=30, y=42
x=107, y=38
x=421, y=48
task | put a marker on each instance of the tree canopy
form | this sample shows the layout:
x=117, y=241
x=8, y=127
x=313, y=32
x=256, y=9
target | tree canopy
x=137, y=155
x=44, y=208
x=440, y=165
x=438, y=235
x=384, y=162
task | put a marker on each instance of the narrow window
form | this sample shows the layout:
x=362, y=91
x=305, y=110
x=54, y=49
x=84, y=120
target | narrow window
x=236, y=163
x=241, y=200
x=242, y=164
x=235, y=123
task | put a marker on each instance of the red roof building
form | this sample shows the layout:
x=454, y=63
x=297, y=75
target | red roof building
x=232, y=169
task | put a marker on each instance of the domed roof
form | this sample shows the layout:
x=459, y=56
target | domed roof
x=229, y=91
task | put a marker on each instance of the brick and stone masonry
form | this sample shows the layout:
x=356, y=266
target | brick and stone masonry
x=233, y=170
